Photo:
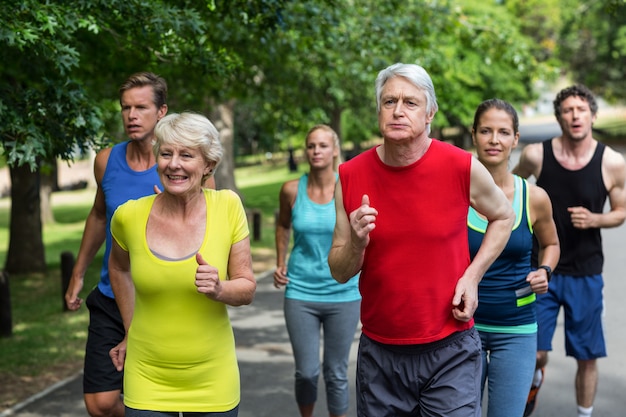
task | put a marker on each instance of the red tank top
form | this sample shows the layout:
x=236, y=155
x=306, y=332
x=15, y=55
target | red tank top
x=419, y=248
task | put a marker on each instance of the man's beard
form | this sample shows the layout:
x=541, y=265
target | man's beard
x=577, y=137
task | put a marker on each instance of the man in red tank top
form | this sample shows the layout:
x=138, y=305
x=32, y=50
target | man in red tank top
x=401, y=222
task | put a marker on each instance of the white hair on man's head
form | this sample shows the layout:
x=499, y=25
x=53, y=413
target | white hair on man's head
x=416, y=75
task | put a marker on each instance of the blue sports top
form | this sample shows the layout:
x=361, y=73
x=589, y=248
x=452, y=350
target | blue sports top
x=307, y=269
x=119, y=184
x=504, y=296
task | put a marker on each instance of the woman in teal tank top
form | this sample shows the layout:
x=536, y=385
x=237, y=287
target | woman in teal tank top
x=505, y=318
x=313, y=299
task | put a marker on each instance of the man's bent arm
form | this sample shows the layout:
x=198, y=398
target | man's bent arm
x=345, y=258
x=490, y=201
x=615, y=168
x=530, y=161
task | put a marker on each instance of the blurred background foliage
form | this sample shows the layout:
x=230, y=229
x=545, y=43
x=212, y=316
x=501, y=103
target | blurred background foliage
x=264, y=71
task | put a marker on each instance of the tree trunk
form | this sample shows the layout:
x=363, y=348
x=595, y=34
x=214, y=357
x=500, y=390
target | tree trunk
x=6, y=322
x=335, y=120
x=222, y=116
x=26, y=250
x=335, y=123
x=49, y=184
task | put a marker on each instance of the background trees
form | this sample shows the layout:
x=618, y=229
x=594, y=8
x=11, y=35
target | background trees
x=266, y=70
x=63, y=62
x=592, y=43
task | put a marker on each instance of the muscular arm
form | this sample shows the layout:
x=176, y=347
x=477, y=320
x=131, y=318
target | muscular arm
x=613, y=174
x=350, y=237
x=530, y=161
x=94, y=235
x=489, y=200
x=614, y=169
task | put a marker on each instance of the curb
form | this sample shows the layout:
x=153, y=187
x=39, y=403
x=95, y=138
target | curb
x=17, y=407
x=21, y=405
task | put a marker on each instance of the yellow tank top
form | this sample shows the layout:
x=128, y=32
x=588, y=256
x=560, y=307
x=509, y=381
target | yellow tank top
x=181, y=348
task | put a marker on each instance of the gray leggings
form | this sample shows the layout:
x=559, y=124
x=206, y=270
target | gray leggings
x=304, y=321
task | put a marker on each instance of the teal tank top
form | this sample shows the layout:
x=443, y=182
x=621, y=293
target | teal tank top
x=307, y=269
x=506, y=303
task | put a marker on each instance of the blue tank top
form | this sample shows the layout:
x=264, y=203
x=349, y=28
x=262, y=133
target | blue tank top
x=120, y=183
x=505, y=301
x=307, y=269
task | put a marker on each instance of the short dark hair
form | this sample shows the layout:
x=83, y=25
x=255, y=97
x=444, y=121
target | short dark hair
x=497, y=104
x=577, y=90
x=141, y=79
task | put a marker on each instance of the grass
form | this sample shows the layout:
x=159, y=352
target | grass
x=611, y=129
x=260, y=186
x=44, y=335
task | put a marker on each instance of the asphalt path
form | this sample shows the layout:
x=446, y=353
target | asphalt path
x=538, y=130
x=557, y=396
x=266, y=362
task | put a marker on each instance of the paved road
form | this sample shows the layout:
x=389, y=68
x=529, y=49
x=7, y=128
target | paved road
x=538, y=130
x=267, y=367
x=265, y=361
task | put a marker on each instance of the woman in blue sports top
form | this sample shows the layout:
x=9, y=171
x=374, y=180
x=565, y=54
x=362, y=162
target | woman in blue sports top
x=505, y=317
x=313, y=299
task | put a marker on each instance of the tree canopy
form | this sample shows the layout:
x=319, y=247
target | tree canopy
x=593, y=45
x=266, y=70
x=62, y=63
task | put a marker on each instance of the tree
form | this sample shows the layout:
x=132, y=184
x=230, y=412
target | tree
x=541, y=22
x=325, y=56
x=55, y=108
x=245, y=29
x=482, y=55
x=593, y=45
x=44, y=114
x=287, y=63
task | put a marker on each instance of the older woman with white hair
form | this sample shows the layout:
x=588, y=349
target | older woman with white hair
x=178, y=259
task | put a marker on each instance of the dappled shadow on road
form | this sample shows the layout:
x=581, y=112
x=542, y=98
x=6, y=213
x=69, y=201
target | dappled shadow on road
x=17, y=389
x=264, y=353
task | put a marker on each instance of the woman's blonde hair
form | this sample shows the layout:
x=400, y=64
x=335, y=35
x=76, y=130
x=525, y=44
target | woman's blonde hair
x=337, y=160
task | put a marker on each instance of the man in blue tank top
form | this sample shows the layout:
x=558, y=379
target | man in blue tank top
x=578, y=173
x=123, y=172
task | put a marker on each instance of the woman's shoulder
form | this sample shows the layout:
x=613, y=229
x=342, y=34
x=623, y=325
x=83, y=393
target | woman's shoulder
x=224, y=197
x=140, y=203
x=538, y=196
x=290, y=187
x=224, y=193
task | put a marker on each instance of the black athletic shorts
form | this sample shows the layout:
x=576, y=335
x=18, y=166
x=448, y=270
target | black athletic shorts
x=436, y=379
x=106, y=330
